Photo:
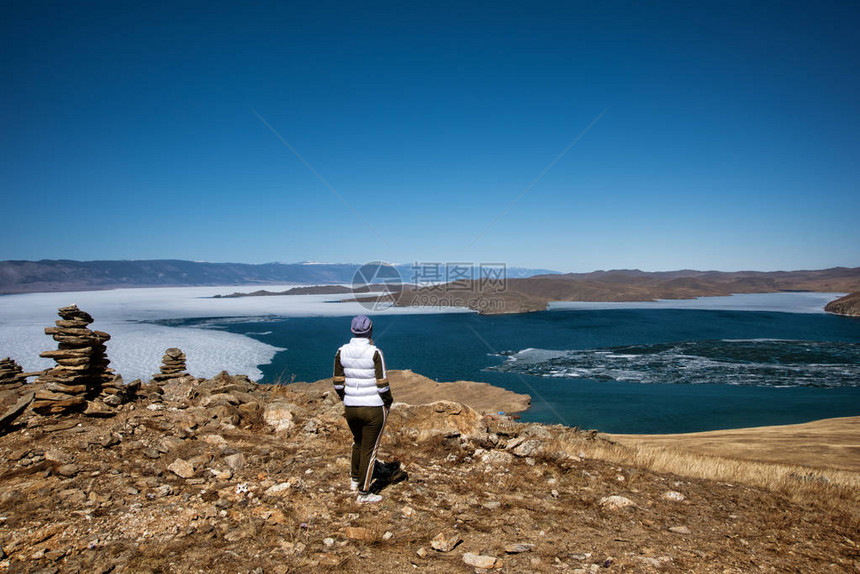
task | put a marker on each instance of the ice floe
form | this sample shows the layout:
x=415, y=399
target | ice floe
x=775, y=302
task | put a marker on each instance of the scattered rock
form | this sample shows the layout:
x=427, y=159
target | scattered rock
x=616, y=502
x=238, y=534
x=225, y=474
x=219, y=400
x=497, y=458
x=168, y=444
x=181, y=468
x=528, y=448
x=54, y=555
x=480, y=561
x=359, y=533
x=57, y=456
x=680, y=530
x=311, y=427
x=215, y=440
x=518, y=548
x=68, y=470
x=445, y=541
x=658, y=563
x=279, y=416
x=278, y=489
x=151, y=453
x=14, y=411
x=110, y=440
x=674, y=496
x=235, y=461
x=164, y=490
x=98, y=408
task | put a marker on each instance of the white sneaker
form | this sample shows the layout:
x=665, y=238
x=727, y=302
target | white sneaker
x=353, y=485
x=369, y=497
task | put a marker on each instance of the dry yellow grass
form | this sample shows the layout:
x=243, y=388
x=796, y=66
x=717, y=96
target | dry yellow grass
x=833, y=487
x=824, y=444
x=835, y=493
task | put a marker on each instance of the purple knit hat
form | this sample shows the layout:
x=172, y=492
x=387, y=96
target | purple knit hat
x=361, y=326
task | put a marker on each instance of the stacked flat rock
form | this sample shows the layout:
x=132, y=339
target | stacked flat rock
x=15, y=394
x=82, y=364
x=11, y=375
x=172, y=366
x=113, y=391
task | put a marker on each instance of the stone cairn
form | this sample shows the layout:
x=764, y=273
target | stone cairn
x=172, y=366
x=11, y=375
x=15, y=395
x=82, y=370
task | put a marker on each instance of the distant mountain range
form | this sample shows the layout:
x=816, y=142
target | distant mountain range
x=68, y=275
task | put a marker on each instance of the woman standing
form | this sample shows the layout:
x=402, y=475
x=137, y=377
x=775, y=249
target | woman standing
x=361, y=382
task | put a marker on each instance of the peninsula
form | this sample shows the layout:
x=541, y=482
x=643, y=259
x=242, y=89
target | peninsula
x=848, y=305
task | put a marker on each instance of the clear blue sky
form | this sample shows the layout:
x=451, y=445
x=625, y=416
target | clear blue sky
x=730, y=134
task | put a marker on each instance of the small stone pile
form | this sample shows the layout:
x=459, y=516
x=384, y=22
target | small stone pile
x=115, y=392
x=11, y=375
x=14, y=393
x=172, y=366
x=82, y=364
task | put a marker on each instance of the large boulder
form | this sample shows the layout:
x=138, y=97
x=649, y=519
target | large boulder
x=445, y=418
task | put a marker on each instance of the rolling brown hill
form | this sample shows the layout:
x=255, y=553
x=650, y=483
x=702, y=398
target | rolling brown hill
x=848, y=305
x=535, y=293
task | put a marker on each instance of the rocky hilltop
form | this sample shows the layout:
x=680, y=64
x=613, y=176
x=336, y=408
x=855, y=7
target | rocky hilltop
x=848, y=305
x=225, y=475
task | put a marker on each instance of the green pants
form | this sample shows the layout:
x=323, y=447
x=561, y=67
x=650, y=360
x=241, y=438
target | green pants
x=366, y=424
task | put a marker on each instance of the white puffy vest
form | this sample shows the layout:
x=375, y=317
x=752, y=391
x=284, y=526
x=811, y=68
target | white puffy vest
x=360, y=390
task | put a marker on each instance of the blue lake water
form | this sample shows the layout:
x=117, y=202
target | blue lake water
x=618, y=370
